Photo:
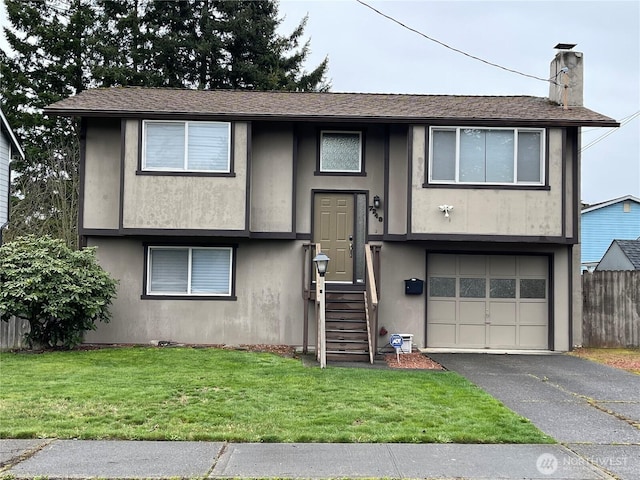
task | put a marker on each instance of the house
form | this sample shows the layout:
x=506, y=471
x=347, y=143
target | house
x=208, y=206
x=9, y=147
x=605, y=222
x=621, y=255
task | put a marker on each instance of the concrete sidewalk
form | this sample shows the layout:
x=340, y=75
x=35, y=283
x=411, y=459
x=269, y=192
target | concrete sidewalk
x=79, y=459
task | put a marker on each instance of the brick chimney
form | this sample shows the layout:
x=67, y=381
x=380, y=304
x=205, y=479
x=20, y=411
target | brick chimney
x=568, y=73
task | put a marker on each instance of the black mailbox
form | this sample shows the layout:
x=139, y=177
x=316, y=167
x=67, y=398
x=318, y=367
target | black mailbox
x=413, y=286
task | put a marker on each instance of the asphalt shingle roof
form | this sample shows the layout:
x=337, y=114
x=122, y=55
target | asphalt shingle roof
x=631, y=248
x=159, y=102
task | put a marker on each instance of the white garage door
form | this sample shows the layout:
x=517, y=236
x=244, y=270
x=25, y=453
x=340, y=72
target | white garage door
x=488, y=301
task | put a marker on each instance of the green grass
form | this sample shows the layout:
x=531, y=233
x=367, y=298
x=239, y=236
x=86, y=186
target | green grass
x=209, y=394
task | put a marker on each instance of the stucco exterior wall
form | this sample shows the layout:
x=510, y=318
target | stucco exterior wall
x=268, y=309
x=497, y=211
x=272, y=177
x=398, y=181
x=185, y=202
x=307, y=180
x=400, y=313
x=102, y=174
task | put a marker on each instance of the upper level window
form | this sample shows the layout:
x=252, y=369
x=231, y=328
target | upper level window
x=177, y=146
x=189, y=271
x=500, y=156
x=340, y=152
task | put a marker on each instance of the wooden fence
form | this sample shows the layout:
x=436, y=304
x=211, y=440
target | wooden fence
x=12, y=333
x=611, y=309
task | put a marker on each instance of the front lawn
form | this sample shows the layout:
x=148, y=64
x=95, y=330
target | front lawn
x=212, y=394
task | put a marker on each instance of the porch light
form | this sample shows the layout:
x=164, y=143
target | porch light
x=321, y=261
x=376, y=202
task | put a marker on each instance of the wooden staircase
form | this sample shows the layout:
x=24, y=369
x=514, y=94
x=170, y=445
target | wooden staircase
x=346, y=327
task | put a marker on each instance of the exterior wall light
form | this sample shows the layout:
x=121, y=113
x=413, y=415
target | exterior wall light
x=322, y=262
x=377, y=204
x=446, y=209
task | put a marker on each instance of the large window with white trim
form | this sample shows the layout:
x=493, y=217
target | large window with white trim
x=180, y=146
x=498, y=156
x=189, y=271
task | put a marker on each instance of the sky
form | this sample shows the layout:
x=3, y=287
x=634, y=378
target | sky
x=370, y=53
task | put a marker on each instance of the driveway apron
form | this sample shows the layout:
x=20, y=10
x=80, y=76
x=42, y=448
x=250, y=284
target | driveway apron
x=592, y=409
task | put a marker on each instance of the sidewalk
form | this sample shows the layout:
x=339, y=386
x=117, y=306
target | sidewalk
x=79, y=459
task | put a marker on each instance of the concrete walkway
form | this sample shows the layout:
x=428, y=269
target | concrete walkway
x=590, y=408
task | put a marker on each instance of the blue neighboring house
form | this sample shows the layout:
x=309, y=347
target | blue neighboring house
x=602, y=223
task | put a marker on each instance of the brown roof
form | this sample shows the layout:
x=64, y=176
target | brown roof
x=363, y=107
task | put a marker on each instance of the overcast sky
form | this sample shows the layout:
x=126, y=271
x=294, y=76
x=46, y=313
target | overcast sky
x=369, y=53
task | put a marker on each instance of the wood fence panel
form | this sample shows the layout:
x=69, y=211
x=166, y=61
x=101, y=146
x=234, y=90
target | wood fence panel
x=611, y=309
x=12, y=333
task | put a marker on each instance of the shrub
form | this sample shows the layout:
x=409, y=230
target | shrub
x=61, y=292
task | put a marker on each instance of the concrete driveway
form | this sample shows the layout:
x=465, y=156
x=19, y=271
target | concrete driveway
x=592, y=409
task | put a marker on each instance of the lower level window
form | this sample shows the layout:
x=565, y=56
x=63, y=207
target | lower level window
x=189, y=271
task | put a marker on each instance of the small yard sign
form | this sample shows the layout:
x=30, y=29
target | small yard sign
x=396, y=342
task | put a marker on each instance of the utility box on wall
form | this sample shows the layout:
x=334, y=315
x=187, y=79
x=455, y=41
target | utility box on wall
x=413, y=286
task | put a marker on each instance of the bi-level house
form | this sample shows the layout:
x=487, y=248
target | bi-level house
x=457, y=215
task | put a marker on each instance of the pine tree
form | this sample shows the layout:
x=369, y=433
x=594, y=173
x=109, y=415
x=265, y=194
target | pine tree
x=59, y=48
x=52, y=45
x=257, y=57
x=124, y=53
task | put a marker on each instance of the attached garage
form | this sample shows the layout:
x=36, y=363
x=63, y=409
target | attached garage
x=488, y=301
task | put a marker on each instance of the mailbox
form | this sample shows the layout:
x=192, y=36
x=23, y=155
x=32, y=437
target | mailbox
x=413, y=286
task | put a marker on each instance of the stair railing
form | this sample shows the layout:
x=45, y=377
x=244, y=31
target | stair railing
x=371, y=297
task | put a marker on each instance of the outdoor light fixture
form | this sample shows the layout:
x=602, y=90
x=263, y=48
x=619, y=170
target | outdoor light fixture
x=446, y=209
x=321, y=261
x=376, y=202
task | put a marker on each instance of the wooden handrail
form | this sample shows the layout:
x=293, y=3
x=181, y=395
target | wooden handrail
x=370, y=300
x=371, y=278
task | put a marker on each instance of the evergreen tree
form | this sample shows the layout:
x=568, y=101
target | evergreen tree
x=124, y=52
x=257, y=57
x=51, y=45
x=60, y=47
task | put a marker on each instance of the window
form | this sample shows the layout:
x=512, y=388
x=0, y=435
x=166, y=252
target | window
x=340, y=152
x=442, y=287
x=186, y=146
x=189, y=271
x=499, y=156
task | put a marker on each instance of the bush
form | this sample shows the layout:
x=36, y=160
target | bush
x=61, y=292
